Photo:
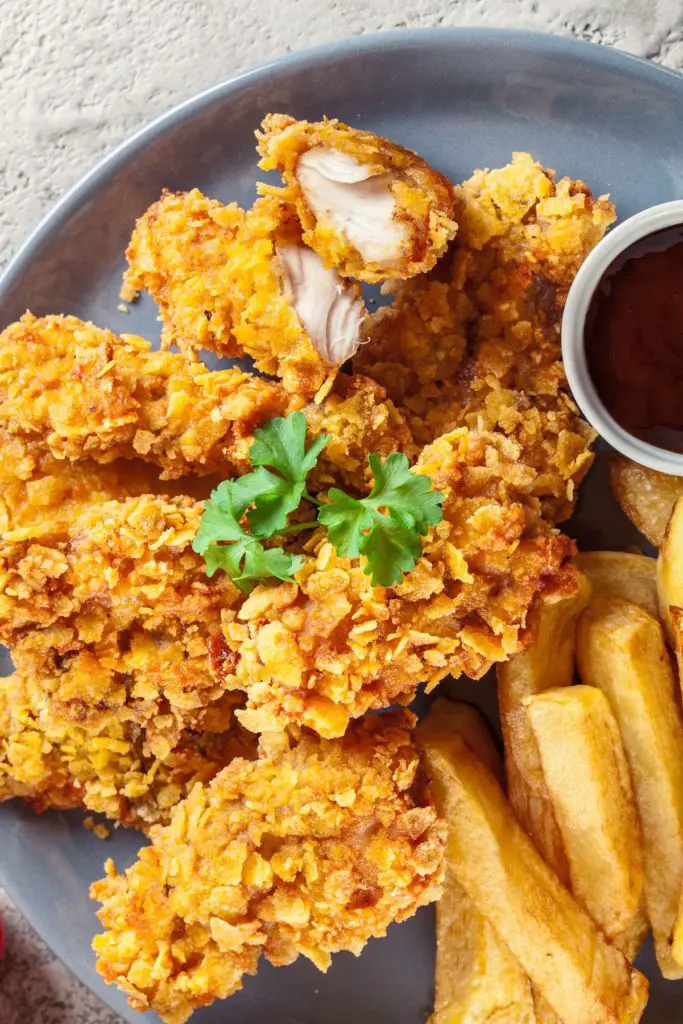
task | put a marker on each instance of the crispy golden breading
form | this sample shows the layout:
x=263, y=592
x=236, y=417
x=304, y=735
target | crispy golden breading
x=305, y=852
x=331, y=646
x=40, y=494
x=368, y=207
x=76, y=391
x=49, y=760
x=115, y=614
x=216, y=275
x=477, y=341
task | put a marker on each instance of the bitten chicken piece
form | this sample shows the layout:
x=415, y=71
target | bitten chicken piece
x=477, y=342
x=75, y=391
x=54, y=762
x=305, y=852
x=114, y=613
x=244, y=284
x=370, y=208
x=332, y=646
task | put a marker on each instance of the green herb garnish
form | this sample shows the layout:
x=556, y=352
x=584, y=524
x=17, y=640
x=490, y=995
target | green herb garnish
x=385, y=527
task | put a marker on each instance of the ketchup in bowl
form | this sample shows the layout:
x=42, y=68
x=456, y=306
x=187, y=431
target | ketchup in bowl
x=634, y=339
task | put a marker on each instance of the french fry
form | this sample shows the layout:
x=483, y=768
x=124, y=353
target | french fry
x=669, y=576
x=677, y=947
x=581, y=976
x=646, y=496
x=590, y=787
x=621, y=650
x=621, y=574
x=454, y=717
x=549, y=662
x=477, y=977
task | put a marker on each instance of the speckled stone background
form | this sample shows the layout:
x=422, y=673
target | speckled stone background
x=77, y=76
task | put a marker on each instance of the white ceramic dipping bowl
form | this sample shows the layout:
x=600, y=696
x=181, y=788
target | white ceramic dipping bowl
x=655, y=218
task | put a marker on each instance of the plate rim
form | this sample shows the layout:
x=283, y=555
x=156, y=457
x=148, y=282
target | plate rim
x=396, y=40
x=391, y=39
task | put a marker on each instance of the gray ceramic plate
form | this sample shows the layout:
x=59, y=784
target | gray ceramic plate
x=463, y=99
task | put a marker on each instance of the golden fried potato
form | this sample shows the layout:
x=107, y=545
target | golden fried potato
x=477, y=977
x=454, y=717
x=670, y=576
x=589, y=784
x=646, y=496
x=621, y=650
x=677, y=947
x=581, y=976
x=622, y=574
x=549, y=662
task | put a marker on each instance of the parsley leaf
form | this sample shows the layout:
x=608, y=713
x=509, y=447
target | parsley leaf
x=281, y=446
x=244, y=558
x=387, y=525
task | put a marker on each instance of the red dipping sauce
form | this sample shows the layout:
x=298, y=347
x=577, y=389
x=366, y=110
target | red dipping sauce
x=634, y=339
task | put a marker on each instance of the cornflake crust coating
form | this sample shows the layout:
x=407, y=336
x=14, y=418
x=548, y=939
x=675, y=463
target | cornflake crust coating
x=115, y=615
x=330, y=647
x=76, y=391
x=370, y=208
x=477, y=342
x=51, y=761
x=308, y=851
x=241, y=283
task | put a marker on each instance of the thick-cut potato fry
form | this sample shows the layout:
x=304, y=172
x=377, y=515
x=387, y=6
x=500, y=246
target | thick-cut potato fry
x=621, y=649
x=646, y=496
x=549, y=662
x=448, y=717
x=677, y=947
x=478, y=980
x=590, y=787
x=622, y=574
x=582, y=977
x=670, y=576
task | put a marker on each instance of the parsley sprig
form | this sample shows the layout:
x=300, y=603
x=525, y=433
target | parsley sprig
x=385, y=527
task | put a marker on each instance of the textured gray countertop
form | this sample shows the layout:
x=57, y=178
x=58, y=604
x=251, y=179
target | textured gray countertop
x=77, y=76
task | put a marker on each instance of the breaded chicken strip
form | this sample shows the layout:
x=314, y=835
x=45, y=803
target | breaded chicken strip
x=40, y=494
x=331, y=646
x=477, y=342
x=244, y=284
x=368, y=207
x=103, y=766
x=115, y=615
x=305, y=852
x=76, y=391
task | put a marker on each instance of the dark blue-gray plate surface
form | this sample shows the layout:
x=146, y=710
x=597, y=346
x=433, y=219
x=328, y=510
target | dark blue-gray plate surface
x=463, y=99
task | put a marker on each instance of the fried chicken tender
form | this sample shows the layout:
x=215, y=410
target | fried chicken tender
x=39, y=494
x=51, y=761
x=304, y=852
x=244, y=284
x=76, y=392
x=114, y=613
x=331, y=646
x=477, y=342
x=370, y=208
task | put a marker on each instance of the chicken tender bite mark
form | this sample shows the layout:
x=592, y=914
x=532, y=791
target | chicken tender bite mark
x=76, y=392
x=328, y=308
x=305, y=852
x=223, y=281
x=367, y=206
x=331, y=646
